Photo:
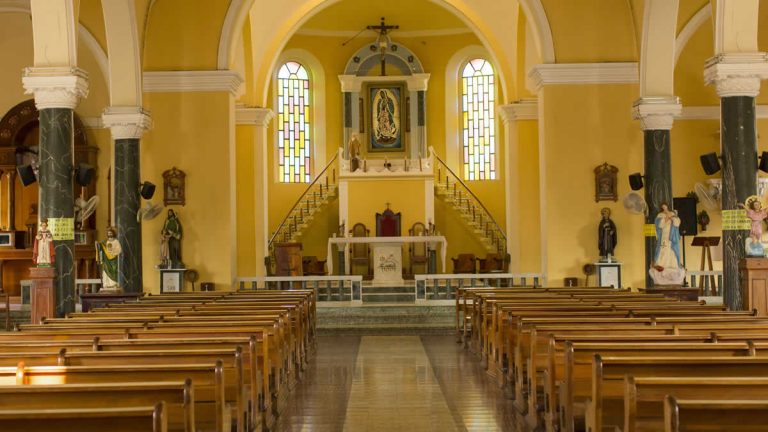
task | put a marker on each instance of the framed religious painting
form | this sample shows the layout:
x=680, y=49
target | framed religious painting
x=173, y=187
x=386, y=117
x=606, y=187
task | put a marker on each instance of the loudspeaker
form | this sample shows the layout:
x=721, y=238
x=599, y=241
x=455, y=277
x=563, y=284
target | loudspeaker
x=84, y=174
x=26, y=174
x=686, y=210
x=710, y=163
x=636, y=181
x=147, y=190
x=763, y=166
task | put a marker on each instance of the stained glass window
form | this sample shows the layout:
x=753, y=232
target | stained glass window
x=477, y=122
x=293, y=133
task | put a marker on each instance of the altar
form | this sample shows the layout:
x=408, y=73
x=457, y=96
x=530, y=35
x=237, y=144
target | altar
x=387, y=260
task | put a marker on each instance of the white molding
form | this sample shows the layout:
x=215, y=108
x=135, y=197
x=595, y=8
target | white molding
x=92, y=122
x=737, y=74
x=713, y=112
x=253, y=116
x=372, y=34
x=126, y=122
x=233, y=25
x=56, y=87
x=354, y=83
x=693, y=24
x=584, y=73
x=193, y=81
x=656, y=113
x=526, y=109
x=537, y=19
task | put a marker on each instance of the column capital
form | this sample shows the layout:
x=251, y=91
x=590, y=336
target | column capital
x=253, y=115
x=526, y=109
x=656, y=113
x=126, y=122
x=736, y=74
x=55, y=87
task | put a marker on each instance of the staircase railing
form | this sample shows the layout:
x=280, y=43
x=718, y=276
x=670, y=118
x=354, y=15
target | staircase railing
x=315, y=193
x=469, y=204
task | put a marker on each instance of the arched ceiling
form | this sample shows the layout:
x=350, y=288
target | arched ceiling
x=410, y=15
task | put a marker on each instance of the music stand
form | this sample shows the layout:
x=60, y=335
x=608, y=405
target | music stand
x=706, y=254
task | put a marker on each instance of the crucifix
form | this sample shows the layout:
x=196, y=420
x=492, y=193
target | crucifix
x=383, y=41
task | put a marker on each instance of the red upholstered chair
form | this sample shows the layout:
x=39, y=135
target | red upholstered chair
x=388, y=224
x=465, y=263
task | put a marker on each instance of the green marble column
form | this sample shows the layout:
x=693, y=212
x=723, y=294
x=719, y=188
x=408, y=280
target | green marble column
x=57, y=198
x=127, y=203
x=658, y=184
x=739, y=171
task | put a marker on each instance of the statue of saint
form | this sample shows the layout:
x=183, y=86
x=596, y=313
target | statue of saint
x=606, y=235
x=107, y=253
x=354, y=153
x=43, y=254
x=171, y=234
x=755, y=212
x=666, y=268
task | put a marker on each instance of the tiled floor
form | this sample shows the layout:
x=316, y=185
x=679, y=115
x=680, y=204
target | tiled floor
x=395, y=383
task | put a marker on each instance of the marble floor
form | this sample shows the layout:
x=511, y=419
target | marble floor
x=395, y=383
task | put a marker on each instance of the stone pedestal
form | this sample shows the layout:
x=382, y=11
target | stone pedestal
x=754, y=284
x=387, y=263
x=608, y=274
x=42, y=293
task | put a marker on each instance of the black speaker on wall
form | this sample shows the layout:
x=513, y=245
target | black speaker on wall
x=686, y=210
x=26, y=174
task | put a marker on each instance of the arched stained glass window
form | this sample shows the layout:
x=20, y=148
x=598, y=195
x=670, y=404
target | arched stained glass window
x=478, y=95
x=293, y=128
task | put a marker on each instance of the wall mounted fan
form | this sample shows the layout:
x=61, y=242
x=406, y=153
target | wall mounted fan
x=635, y=203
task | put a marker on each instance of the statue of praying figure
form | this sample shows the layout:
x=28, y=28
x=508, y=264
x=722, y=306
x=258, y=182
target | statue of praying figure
x=606, y=236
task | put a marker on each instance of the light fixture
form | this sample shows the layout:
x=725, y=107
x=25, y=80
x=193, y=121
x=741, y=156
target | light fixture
x=710, y=163
x=636, y=181
x=84, y=174
x=147, y=190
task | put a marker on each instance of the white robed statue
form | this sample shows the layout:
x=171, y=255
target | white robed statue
x=666, y=268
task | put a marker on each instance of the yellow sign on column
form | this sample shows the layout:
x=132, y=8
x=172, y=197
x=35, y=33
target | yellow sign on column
x=649, y=230
x=62, y=228
x=734, y=220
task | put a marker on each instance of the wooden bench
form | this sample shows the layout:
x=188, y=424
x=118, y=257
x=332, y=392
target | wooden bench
x=130, y=419
x=179, y=398
x=697, y=415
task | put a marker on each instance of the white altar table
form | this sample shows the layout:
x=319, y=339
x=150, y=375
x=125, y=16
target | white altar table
x=343, y=242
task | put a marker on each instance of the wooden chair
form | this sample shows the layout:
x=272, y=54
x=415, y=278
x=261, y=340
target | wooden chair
x=360, y=253
x=418, y=253
x=465, y=263
x=494, y=263
x=312, y=266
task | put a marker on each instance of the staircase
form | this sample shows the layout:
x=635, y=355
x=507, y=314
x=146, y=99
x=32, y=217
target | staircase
x=318, y=194
x=450, y=188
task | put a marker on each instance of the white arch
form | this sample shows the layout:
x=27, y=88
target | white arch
x=317, y=100
x=736, y=26
x=233, y=26
x=90, y=42
x=452, y=72
x=657, y=53
x=123, y=44
x=536, y=17
x=693, y=24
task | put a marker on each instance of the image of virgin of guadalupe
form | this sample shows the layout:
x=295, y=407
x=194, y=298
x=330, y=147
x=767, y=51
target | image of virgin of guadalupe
x=386, y=126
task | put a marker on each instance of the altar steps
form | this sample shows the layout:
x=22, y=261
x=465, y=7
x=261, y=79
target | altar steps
x=386, y=319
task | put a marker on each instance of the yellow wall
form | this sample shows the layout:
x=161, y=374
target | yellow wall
x=584, y=127
x=592, y=31
x=528, y=190
x=191, y=134
x=246, y=216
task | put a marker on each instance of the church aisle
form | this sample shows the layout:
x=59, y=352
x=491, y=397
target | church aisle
x=395, y=383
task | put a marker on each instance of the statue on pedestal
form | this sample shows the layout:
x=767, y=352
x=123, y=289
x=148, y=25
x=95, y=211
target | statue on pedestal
x=170, y=246
x=107, y=253
x=606, y=236
x=666, y=268
x=354, y=153
x=757, y=214
x=43, y=254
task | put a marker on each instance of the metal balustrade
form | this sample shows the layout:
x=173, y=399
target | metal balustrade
x=341, y=288
x=431, y=288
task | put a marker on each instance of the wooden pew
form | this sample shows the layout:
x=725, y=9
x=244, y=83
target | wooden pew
x=644, y=396
x=608, y=378
x=210, y=383
x=697, y=415
x=130, y=419
x=178, y=396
